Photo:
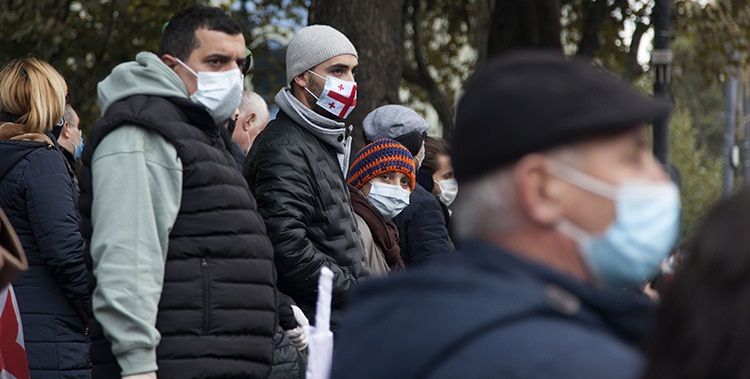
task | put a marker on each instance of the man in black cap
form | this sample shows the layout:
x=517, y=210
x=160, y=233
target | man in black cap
x=564, y=213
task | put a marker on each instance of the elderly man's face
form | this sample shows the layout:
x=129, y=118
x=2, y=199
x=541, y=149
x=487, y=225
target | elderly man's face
x=624, y=157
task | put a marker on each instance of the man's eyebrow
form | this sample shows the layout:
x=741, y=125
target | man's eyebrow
x=339, y=66
x=218, y=56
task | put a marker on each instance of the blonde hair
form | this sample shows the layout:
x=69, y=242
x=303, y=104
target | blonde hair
x=32, y=89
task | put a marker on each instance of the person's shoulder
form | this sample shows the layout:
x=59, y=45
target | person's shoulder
x=423, y=198
x=44, y=160
x=128, y=139
x=430, y=310
x=280, y=131
x=545, y=347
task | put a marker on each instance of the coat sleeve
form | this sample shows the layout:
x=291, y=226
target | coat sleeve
x=50, y=203
x=286, y=200
x=137, y=191
x=426, y=233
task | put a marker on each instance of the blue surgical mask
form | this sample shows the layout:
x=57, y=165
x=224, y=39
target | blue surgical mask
x=645, y=228
x=79, y=150
x=388, y=199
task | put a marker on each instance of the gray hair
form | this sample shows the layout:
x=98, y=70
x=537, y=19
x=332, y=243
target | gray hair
x=69, y=113
x=486, y=205
x=252, y=102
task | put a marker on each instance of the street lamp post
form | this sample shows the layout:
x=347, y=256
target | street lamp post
x=661, y=59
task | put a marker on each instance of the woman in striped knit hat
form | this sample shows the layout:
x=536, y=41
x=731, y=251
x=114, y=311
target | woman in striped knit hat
x=381, y=179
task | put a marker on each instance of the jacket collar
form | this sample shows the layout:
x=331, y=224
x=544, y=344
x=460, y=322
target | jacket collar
x=627, y=312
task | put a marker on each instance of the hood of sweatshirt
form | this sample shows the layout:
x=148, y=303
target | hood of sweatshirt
x=147, y=75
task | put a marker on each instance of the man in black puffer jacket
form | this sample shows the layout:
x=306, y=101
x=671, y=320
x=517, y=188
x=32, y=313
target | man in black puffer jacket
x=423, y=233
x=183, y=266
x=296, y=170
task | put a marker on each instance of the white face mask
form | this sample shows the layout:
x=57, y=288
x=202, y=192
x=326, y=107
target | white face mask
x=420, y=156
x=339, y=97
x=448, y=191
x=388, y=199
x=220, y=92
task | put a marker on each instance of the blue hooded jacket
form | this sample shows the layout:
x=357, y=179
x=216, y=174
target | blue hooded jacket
x=487, y=313
x=38, y=196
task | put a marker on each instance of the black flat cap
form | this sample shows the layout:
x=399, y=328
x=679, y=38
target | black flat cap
x=533, y=101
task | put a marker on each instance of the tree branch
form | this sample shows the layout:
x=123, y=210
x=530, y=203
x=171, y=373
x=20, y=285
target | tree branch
x=596, y=13
x=421, y=76
x=632, y=68
x=108, y=34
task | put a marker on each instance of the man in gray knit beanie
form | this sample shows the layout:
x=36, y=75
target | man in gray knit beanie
x=297, y=166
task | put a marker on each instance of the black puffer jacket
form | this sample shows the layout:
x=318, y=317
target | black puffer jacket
x=37, y=194
x=305, y=203
x=423, y=234
x=218, y=312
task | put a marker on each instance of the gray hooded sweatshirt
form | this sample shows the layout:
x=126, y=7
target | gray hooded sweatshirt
x=137, y=188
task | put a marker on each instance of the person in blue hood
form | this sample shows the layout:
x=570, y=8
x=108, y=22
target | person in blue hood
x=563, y=214
x=39, y=198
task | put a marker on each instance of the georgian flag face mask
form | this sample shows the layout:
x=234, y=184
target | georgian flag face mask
x=339, y=97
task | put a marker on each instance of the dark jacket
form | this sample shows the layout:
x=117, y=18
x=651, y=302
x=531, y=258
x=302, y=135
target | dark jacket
x=305, y=203
x=489, y=314
x=425, y=180
x=38, y=197
x=423, y=234
x=288, y=362
x=217, y=313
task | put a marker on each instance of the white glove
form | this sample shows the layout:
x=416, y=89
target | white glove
x=149, y=375
x=298, y=335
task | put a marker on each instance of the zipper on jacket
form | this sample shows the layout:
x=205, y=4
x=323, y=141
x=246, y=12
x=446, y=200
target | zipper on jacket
x=206, y=295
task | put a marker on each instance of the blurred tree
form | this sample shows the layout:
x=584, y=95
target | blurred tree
x=531, y=23
x=700, y=171
x=269, y=25
x=83, y=39
x=454, y=37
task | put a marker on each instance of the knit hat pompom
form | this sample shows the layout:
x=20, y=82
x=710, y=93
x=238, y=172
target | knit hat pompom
x=382, y=156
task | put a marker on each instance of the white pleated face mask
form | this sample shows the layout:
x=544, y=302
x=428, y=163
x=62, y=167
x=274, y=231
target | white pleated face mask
x=388, y=199
x=220, y=92
x=448, y=191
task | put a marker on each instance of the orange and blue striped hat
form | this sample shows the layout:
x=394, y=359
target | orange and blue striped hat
x=382, y=156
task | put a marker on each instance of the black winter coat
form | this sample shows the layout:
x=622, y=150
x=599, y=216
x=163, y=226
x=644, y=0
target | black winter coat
x=304, y=200
x=37, y=194
x=423, y=234
x=488, y=314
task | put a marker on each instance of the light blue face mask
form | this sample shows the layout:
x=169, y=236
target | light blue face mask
x=79, y=150
x=645, y=228
x=388, y=199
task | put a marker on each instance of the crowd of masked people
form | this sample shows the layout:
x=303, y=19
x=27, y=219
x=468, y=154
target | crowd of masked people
x=186, y=238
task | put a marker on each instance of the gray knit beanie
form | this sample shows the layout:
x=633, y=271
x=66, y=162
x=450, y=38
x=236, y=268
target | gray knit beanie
x=313, y=45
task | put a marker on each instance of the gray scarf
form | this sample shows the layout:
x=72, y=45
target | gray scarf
x=329, y=131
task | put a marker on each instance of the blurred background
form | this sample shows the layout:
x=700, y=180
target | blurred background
x=420, y=52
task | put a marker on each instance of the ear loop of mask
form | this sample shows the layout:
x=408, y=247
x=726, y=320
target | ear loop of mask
x=587, y=183
x=186, y=66
x=582, y=180
x=310, y=92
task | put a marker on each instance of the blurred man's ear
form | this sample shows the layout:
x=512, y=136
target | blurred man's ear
x=539, y=195
x=251, y=120
x=65, y=132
